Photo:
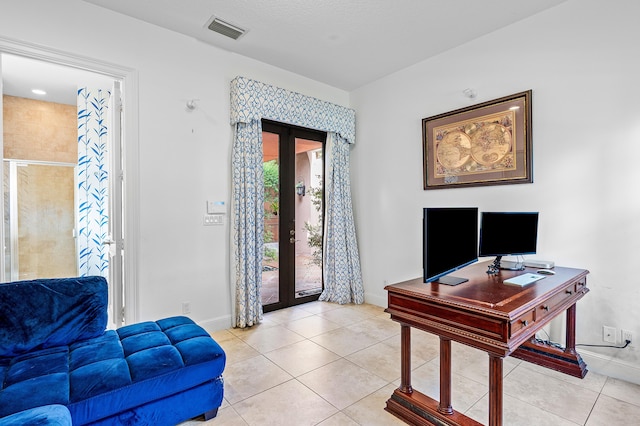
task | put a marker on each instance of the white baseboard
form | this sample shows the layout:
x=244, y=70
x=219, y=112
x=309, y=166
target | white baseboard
x=216, y=324
x=375, y=299
x=611, y=367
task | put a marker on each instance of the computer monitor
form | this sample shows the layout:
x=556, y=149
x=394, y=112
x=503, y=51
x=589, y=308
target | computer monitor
x=508, y=234
x=450, y=242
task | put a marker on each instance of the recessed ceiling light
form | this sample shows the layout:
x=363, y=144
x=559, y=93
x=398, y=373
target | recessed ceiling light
x=38, y=91
x=514, y=108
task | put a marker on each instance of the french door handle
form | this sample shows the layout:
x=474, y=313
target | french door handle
x=292, y=240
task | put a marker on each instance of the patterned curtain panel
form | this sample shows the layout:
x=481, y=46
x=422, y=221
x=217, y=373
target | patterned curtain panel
x=247, y=234
x=93, y=182
x=342, y=273
x=251, y=101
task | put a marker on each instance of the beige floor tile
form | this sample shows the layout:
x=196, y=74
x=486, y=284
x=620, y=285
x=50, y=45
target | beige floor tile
x=517, y=413
x=237, y=350
x=610, y=411
x=289, y=403
x=342, y=383
x=339, y=419
x=226, y=417
x=378, y=328
x=345, y=316
x=301, y=357
x=283, y=316
x=243, y=332
x=221, y=335
x=367, y=308
x=564, y=399
x=318, y=307
x=312, y=326
x=250, y=377
x=344, y=341
x=592, y=381
x=382, y=360
x=370, y=410
x=271, y=338
x=624, y=391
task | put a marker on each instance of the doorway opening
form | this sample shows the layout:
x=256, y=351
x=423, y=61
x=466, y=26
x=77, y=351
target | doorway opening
x=61, y=163
x=293, y=171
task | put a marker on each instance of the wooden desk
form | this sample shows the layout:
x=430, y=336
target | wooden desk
x=487, y=314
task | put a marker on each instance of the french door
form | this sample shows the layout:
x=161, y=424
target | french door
x=293, y=165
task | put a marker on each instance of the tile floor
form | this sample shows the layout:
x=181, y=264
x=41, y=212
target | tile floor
x=327, y=364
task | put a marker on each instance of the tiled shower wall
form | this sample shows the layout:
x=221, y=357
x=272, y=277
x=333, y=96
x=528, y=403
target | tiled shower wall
x=43, y=131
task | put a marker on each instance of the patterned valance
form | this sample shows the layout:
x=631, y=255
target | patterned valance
x=252, y=100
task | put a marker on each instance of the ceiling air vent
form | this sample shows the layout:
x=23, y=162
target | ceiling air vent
x=221, y=27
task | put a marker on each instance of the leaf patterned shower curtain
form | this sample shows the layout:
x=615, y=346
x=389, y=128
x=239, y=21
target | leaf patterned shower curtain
x=93, y=182
x=251, y=101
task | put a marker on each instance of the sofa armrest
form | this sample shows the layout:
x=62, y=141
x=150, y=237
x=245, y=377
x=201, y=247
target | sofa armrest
x=52, y=415
x=45, y=313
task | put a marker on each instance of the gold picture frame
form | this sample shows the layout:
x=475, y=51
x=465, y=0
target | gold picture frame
x=485, y=144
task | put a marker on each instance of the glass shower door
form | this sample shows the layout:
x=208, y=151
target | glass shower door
x=39, y=220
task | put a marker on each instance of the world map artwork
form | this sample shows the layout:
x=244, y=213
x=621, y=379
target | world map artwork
x=481, y=145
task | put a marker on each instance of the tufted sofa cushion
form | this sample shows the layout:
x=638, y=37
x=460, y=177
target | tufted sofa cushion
x=114, y=372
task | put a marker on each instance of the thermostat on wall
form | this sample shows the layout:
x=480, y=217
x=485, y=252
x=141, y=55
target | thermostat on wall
x=216, y=207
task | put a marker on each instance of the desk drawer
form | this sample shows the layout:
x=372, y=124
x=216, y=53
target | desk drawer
x=521, y=323
x=551, y=305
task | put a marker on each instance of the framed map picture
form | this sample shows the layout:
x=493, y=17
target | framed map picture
x=485, y=144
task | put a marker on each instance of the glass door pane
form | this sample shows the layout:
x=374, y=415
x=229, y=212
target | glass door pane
x=309, y=170
x=271, y=260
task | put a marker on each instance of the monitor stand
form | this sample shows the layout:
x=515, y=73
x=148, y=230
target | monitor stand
x=506, y=265
x=450, y=280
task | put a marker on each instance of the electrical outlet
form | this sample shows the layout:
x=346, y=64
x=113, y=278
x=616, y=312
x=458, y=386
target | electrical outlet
x=186, y=307
x=626, y=335
x=609, y=334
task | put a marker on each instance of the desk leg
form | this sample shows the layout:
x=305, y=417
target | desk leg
x=445, y=377
x=405, y=361
x=495, y=390
x=570, y=346
x=416, y=408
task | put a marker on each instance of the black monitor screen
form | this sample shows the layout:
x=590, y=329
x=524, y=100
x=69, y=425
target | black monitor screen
x=508, y=233
x=450, y=241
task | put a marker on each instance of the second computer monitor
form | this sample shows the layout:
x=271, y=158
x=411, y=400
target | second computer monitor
x=508, y=234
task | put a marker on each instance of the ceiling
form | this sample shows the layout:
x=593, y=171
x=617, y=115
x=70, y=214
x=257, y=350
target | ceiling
x=20, y=75
x=343, y=43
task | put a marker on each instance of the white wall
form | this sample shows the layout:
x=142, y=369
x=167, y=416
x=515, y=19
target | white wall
x=580, y=60
x=184, y=156
x=582, y=63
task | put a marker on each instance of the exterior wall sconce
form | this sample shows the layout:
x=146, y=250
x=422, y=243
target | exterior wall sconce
x=300, y=189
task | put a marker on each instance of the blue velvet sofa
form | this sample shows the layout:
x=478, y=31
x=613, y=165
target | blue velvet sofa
x=59, y=365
